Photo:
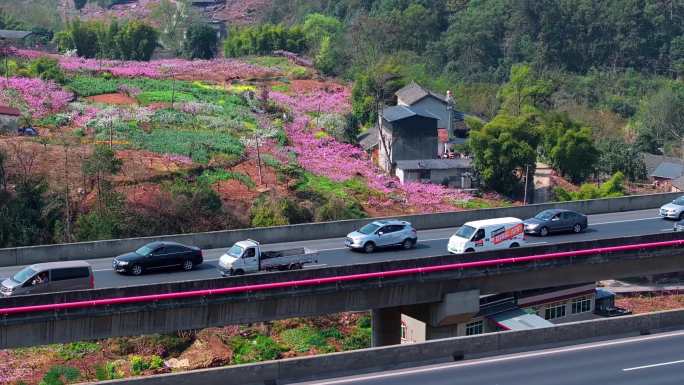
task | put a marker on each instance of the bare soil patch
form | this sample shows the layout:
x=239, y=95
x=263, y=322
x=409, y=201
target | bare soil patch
x=116, y=99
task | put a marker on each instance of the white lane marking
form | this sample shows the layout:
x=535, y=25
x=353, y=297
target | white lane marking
x=444, y=239
x=653, y=365
x=500, y=359
x=537, y=243
x=666, y=230
x=623, y=221
x=319, y=265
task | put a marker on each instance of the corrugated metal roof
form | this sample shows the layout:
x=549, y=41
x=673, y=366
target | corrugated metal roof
x=518, y=319
x=668, y=170
x=394, y=113
x=5, y=110
x=434, y=164
x=368, y=139
x=14, y=35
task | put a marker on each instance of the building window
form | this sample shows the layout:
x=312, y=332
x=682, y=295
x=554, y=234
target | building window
x=424, y=174
x=581, y=305
x=474, y=328
x=555, y=310
x=403, y=331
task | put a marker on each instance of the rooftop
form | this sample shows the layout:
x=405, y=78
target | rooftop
x=434, y=164
x=652, y=161
x=413, y=93
x=6, y=110
x=14, y=35
x=667, y=170
x=395, y=113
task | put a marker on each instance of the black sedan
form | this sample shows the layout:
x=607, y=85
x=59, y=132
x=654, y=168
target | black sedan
x=158, y=255
x=556, y=220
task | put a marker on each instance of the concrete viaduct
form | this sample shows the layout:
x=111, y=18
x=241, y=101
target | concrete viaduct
x=434, y=289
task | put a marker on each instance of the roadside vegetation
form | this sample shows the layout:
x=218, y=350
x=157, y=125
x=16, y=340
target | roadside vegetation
x=118, y=358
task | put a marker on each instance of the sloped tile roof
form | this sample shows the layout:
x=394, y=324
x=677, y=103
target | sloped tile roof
x=395, y=113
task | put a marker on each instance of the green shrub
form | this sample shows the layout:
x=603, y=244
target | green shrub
x=364, y=322
x=138, y=364
x=266, y=213
x=280, y=88
x=303, y=338
x=198, y=145
x=339, y=209
x=261, y=348
x=156, y=362
x=332, y=333
x=212, y=176
x=166, y=96
x=299, y=73
x=613, y=187
x=76, y=350
x=108, y=371
x=47, y=68
x=359, y=339
x=60, y=375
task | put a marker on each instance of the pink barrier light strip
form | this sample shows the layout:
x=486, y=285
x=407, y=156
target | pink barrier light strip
x=336, y=279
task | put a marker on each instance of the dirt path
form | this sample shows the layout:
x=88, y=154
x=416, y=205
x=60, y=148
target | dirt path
x=543, y=183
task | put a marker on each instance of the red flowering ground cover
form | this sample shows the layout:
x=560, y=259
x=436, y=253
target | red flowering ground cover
x=650, y=303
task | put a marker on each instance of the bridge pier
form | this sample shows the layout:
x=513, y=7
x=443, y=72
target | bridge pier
x=386, y=326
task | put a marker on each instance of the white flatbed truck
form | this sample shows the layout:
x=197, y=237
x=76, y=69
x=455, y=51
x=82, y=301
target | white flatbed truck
x=246, y=257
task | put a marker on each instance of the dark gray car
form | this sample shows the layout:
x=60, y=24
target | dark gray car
x=556, y=220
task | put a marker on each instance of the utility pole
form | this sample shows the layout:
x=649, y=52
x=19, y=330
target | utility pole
x=110, y=123
x=256, y=140
x=527, y=177
x=67, y=213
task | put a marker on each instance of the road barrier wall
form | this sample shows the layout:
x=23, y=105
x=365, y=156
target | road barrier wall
x=310, y=231
x=401, y=356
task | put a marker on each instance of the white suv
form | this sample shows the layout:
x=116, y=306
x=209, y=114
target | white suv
x=673, y=210
x=381, y=234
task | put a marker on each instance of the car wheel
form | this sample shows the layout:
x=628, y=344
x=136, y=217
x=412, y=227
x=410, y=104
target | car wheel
x=544, y=231
x=296, y=266
x=514, y=245
x=369, y=247
x=407, y=244
x=188, y=265
x=136, y=270
x=577, y=228
x=681, y=216
x=470, y=250
x=238, y=272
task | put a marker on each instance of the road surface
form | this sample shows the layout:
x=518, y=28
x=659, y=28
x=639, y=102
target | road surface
x=332, y=251
x=647, y=360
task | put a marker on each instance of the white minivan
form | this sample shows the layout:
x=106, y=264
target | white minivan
x=488, y=234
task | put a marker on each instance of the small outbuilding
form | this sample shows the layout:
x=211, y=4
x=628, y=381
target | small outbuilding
x=456, y=173
x=9, y=119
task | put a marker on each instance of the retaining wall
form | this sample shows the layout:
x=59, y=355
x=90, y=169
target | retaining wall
x=309, y=231
x=393, y=357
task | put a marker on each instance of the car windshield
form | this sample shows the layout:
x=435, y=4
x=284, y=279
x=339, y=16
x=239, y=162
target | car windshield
x=236, y=251
x=24, y=275
x=369, y=228
x=144, y=251
x=679, y=201
x=465, y=232
x=544, y=215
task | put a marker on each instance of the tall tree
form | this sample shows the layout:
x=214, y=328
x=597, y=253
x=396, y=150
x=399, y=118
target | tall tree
x=201, y=42
x=503, y=149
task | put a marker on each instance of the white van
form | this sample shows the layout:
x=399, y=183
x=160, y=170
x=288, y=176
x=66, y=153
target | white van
x=488, y=234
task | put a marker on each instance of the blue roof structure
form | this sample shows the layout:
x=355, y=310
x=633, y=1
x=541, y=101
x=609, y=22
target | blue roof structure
x=517, y=319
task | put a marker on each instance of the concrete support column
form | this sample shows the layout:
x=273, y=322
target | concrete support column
x=386, y=326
